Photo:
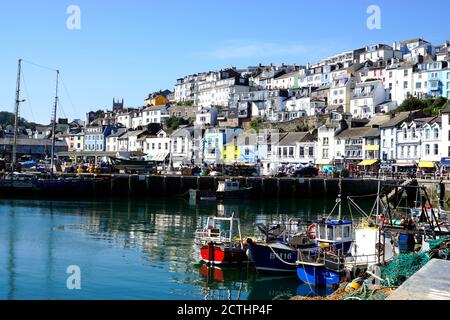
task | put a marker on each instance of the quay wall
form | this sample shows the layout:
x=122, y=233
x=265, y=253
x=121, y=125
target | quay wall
x=262, y=187
x=147, y=186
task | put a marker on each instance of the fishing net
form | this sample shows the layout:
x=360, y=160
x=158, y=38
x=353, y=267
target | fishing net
x=365, y=293
x=439, y=243
x=403, y=267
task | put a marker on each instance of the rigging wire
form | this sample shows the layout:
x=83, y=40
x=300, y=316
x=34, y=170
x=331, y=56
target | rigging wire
x=27, y=95
x=39, y=65
x=75, y=113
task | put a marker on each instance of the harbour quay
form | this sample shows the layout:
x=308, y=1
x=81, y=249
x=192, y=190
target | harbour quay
x=125, y=185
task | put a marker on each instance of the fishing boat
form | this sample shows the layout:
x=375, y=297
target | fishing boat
x=277, y=251
x=132, y=164
x=344, y=249
x=220, y=241
x=227, y=189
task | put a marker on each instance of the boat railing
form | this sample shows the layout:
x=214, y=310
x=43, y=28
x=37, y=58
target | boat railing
x=205, y=236
x=330, y=257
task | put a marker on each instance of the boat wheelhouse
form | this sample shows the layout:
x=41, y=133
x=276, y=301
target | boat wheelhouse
x=220, y=241
x=226, y=189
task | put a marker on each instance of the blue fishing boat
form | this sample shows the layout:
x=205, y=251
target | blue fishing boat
x=324, y=265
x=277, y=252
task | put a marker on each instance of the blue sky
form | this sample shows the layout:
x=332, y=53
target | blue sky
x=127, y=49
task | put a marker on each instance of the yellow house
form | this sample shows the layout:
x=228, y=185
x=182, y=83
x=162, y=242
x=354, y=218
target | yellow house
x=231, y=154
x=156, y=101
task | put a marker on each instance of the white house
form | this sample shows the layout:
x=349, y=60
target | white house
x=366, y=99
x=155, y=114
x=379, y=52
x=183, y=146
x=399, y=81
x=157, y=147
x=206, y=116
x=388, y=136
x=431, y=150
x=326, y=142
x=112, y=141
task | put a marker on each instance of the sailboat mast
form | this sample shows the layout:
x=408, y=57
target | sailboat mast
x=16, y=116
x=54, y=123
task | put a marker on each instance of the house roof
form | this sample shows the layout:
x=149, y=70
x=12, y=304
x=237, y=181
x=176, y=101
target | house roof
x=398, y=119
x=354, y=132
x=291, y=138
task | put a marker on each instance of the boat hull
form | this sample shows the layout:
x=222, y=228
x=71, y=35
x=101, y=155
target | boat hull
x=215, y=195
x=220, y=255
x=318, y=276
x=264, y=257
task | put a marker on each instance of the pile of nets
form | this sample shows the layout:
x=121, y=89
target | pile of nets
x=440, y=248
x=366, y=293
x=403, y=267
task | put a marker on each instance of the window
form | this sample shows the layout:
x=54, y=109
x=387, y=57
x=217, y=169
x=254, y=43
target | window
x=419, y=85
x=325, y=141
x=436, y=133
x=405, y=73
x=325, y=153
x=302, y=151
x=311, y=151
x=405, y=85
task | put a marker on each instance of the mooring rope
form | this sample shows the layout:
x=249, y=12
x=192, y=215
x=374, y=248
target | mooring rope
x=279, y=258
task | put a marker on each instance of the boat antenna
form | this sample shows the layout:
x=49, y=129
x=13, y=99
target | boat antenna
x=16, y=116
x=54, y=123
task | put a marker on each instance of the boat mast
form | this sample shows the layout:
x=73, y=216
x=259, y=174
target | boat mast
x=54, y=123
x=16, y=116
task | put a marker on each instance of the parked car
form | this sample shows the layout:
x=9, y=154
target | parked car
x=308, y=171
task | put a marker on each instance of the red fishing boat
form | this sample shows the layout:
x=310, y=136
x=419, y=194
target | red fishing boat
x=220, y=241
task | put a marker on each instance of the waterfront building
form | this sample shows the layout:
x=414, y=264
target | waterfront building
x=185, y=112
x=430, y=79
x=373, y=70
x=95, y=137
x=112, y=141
x=408, y=144
x=157, y=146
x=326, y=141
x=431, y=152
x=416, y=50
x=37, y=149
x=216, y=141
x=296, y=148
x=445, y=133
x=388, y=134
x=75, y=141
x=182, y=146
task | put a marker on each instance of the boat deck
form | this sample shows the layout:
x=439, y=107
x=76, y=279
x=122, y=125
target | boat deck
x=432, y=282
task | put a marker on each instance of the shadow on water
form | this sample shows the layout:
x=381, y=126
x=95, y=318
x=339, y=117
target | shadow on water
x=140, y=249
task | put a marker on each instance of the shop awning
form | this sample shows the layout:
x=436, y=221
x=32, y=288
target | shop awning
x=373, y=147
x=445, y=162
x=157, y=156
x=367, y=162
x=323, y=162
x=405, y=164
x=426, y=164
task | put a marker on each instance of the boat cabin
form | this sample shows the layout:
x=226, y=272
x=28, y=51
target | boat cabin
x=334, y=232
x=227, y=185
x=220, y=230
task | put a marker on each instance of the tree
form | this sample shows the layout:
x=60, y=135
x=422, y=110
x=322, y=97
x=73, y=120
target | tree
x=174, y=122
x=7, y=118
x=411, y=104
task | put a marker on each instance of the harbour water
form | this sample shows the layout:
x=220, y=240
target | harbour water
x=128, y=249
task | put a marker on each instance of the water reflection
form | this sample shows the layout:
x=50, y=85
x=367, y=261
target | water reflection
x=131, y=249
